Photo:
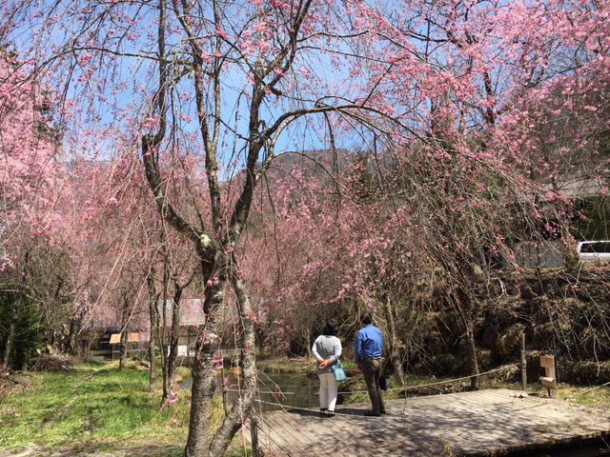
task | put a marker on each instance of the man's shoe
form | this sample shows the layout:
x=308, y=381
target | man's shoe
x=371, y=414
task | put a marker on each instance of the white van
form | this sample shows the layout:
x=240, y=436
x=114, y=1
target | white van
x=594, y=251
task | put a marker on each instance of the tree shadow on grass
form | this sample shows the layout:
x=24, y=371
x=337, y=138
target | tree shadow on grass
x=148, y=450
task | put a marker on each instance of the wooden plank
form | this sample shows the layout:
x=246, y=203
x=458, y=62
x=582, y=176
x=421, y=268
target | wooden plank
x=547, y=361
x=291, y=429
x=115, y=338
x=549, y=379
x=272, y=437
x=471, y=423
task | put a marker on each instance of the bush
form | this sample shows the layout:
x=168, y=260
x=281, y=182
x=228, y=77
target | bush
x=20, y=329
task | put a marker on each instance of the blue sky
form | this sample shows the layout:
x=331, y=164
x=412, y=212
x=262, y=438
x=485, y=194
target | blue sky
x=103, y=102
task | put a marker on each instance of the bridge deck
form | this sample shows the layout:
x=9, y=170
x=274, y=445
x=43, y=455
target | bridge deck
x=466, y=424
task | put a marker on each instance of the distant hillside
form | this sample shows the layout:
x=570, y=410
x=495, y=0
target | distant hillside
x=317, y=163
x=323, y=165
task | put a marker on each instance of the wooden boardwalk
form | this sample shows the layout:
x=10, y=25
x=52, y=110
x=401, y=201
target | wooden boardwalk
x=490, y=422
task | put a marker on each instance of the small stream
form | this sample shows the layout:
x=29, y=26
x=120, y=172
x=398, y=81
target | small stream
x=294, y=390
x=287, y=389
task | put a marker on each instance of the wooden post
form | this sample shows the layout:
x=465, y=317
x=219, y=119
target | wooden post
x=523, y=364
x=254, y=436
x=549, y=380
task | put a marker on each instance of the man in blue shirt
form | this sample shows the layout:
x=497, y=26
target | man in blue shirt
x=369, y=350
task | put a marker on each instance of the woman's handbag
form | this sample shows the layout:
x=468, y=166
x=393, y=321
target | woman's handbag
x=383, y=383
x=338, y=371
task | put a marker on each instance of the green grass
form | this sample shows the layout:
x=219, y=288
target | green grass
x=94, y=406
x=596, y=396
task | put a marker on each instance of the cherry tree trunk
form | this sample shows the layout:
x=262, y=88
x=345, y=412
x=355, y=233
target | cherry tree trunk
x=124, y=337
x=8, y=347
x=152, y=375
x=472, y=354
x=308, y=341
x=201, y=401
x=204, y=376
x=395, y=358
x=72, y=346
x=242, y=408
x=154, y=322
x=201, y=442
x=170, y=362
x=153, y=313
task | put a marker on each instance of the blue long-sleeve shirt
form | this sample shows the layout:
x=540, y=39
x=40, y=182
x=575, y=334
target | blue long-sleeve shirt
x=369, y=343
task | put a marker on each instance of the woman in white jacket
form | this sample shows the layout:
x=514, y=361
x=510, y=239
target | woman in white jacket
x=327, y=350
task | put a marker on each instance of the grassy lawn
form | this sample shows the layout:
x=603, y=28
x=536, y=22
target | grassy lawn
x=594, y=396
x=92, y=408
x=598, y=397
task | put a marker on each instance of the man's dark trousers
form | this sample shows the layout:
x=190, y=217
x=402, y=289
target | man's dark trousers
x=371, y=369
